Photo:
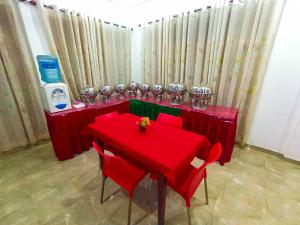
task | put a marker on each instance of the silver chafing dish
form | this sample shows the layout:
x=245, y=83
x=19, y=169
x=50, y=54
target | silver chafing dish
x=88, y=95
x=106, y=91
x=157, y=91
x=132, y=89
x=121, y=90
x=177, y=93
x=200, y=96
x=144, y=90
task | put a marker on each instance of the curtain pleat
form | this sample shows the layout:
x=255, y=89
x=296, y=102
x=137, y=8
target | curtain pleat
x=21, y=113
x=222, y=46
x=100, y=56
x=90, y=52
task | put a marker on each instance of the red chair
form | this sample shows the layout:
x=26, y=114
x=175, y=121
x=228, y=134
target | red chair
x=171, y=120
x=106, y=116
x=122, y=172
x=190, y=179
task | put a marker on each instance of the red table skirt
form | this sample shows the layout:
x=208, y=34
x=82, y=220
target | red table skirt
x=216, y=129
x=217, y=123
x=65, y=127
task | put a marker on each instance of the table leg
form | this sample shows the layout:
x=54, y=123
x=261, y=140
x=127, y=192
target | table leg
x=100, y=143
x=161, y=194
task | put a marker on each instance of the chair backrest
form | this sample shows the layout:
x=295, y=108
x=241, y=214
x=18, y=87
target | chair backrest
x=213, y=155
x=169, y=120
x=114, y=167
x=107, y=116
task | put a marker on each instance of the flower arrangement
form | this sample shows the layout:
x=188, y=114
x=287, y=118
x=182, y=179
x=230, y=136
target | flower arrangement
x=143, y=123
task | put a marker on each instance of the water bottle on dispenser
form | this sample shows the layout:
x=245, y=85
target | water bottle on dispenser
x=55, y=93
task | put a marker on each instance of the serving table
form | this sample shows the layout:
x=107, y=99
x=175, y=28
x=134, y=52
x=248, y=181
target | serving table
x=65, y=127
x=162, y=149
x=218, y=123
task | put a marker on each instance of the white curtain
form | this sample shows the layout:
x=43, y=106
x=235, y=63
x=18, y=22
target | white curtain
x=21, y=109
x=91, y=52
x=117, y=53
x=225, y=46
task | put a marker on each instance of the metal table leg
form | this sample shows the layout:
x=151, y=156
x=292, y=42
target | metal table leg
x=161, y=194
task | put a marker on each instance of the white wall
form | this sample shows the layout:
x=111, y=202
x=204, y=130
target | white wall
x=35, y=33
x=290, y=145
x=33, y=28
x=277, y=106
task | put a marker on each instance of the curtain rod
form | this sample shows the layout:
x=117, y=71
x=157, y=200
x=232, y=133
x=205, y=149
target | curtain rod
x=176, y=15
x=195, y=11
x=49, y=6
x=78, y=14
x=31, y=2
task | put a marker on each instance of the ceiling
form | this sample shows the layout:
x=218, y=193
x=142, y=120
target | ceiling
x=129, y=3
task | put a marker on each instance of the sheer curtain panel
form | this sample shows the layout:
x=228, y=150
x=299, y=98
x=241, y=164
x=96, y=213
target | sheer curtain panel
x=225, y=46
x=91, y=52
x=21, y=111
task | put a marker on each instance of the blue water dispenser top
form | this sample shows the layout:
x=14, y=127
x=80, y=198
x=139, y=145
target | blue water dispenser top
x=49, y=68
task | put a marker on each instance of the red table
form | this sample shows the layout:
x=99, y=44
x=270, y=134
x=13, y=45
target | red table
x=162, y=149
x=65, y=127
x=216, y=122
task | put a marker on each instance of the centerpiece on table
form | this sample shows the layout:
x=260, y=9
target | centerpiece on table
x=143, y=123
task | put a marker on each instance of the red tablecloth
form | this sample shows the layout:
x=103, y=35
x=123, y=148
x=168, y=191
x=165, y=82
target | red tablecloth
x=216, y=129
x=163, y=149
x=65, y=127
x=217, y=123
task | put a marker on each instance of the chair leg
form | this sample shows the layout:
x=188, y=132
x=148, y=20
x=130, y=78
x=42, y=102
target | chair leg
x=100, y=161
x=189, y=216
x=102, y=189
x=149, y=196
x=129, y=211
x=206, y=190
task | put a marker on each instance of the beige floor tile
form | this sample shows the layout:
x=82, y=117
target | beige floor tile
x=283, y=209
x=255, y=188
x=12, y=201
x=23, y=215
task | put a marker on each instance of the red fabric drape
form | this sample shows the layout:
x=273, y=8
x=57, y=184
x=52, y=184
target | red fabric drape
x=216, y=129
x=216, y=122
x=65, y=127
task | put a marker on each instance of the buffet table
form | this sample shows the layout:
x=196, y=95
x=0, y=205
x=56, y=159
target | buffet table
x=216, y=122
x=65, y=127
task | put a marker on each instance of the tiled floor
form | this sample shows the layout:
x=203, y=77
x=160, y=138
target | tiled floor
x=35, y=188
